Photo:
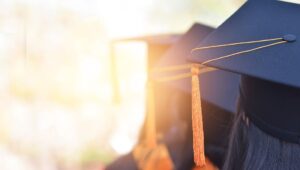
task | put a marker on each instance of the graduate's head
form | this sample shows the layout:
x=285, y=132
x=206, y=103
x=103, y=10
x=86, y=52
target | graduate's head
x=251, y=148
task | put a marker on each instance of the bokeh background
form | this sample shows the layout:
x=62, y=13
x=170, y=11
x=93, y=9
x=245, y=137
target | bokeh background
x=57, y=98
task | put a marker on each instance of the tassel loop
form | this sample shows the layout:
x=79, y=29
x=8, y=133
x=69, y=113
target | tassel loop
x=195, y=70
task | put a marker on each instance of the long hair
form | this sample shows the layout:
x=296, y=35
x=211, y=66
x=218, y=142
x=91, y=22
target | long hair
x=252, y=149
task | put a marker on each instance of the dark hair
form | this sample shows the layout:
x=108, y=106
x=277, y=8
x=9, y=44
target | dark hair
x=252, y=149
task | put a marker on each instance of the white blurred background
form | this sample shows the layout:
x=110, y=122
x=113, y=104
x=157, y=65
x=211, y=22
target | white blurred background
x=56, y=93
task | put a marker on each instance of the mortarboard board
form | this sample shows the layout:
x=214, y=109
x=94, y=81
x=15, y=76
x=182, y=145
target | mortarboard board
x=260, y=41
x=258, y=20
x=218, y=101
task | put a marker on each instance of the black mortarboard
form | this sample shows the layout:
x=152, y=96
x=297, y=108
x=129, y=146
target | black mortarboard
x=260, y=41
x=218, y=101
x=258, y=20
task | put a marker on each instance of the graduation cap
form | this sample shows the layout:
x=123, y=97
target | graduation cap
x=156, y=46
x=260, y=42
x=224, y=96
x=160, y=107
x=217, y=101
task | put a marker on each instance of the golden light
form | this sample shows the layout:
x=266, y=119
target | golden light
x=124, y=18
x=57, y=82
x=130, y=62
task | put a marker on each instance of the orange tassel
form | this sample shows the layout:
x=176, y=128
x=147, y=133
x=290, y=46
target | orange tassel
x=157, y=158
x=150, y=120
x=198, y=134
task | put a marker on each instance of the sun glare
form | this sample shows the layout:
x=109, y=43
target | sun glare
x=131, y=72
x=58, y=78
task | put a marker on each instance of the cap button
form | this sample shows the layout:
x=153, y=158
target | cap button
x=289, y=38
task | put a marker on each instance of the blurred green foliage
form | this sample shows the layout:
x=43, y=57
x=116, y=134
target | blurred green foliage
x=93, y=155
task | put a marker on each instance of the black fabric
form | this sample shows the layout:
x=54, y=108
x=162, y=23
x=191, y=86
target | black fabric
x=273, y=107
x=217, y=123
x=125, y=162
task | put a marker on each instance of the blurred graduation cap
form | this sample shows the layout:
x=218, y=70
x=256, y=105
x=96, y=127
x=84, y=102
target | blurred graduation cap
x=261, y=41
x=156, y=46
x=178, y=52
x=224, y=96
x=162, y=106
x=218, y=102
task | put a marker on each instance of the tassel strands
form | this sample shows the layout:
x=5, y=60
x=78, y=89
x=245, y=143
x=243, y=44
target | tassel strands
x=198, y=134
x=197, y=122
